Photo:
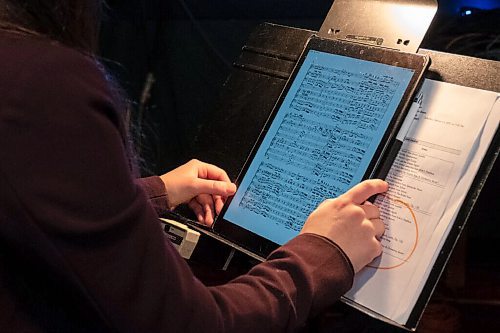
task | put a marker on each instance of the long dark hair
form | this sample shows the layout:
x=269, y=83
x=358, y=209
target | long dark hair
x=74, y=23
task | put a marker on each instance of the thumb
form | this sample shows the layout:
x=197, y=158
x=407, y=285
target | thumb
x=214, y=187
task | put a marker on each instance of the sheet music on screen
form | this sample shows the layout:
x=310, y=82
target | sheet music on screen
x=319, y=144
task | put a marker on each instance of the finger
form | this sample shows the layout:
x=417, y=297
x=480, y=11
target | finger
x=210, y=171
x=205, y=200
x=197, y=210
x=371, y=211
x=214, y=187
x=219, y=203
x=209, y=215
x=379, y=227
x=207, y=204
x=362, y=191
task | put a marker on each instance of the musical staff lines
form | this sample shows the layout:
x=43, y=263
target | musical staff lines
x=320, y=143
x=284, y=196
x=350, y=98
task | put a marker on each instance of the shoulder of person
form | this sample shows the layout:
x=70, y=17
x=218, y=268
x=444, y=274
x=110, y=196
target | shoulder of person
x=38, y=60
x=60, y=83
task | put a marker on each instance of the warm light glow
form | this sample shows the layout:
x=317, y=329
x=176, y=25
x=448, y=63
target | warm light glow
x=411, y=18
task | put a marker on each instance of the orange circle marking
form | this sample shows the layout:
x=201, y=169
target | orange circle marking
x=416, y=234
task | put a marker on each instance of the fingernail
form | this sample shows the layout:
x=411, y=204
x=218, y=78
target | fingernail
x=231, y=188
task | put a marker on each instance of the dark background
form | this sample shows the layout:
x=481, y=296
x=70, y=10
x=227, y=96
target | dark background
x=189, y=47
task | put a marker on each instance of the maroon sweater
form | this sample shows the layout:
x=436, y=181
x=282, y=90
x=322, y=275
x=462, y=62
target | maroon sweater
x=81, y=248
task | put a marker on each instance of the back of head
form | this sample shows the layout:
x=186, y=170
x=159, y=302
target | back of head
x=74, y=23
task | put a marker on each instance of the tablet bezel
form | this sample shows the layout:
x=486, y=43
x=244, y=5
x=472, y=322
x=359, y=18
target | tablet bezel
x=261, y=246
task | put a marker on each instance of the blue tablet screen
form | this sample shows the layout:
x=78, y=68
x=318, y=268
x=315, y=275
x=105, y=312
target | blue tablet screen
x=319, y=144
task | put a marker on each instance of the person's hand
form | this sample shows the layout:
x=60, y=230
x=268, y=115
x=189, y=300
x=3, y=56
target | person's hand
x=204, y=187
x=351, y=222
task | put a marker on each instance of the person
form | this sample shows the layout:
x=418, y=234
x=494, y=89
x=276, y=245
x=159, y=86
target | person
x=81, y=249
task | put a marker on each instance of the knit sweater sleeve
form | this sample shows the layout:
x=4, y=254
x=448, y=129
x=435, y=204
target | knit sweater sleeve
x=156, y=193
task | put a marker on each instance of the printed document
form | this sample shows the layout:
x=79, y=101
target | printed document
x=445, y=137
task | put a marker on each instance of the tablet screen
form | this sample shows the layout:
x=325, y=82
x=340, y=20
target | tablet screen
x=322, y=140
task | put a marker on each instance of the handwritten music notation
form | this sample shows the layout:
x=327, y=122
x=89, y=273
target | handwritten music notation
x=320, y=143
x=284, y=196
x=350, y=98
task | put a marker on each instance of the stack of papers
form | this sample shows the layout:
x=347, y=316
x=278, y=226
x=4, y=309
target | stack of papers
x=445, y=137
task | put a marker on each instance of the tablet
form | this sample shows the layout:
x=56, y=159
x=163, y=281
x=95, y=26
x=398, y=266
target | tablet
x=330, y=129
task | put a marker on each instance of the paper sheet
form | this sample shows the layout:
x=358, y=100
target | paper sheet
x=446, y=222
x=417, y=209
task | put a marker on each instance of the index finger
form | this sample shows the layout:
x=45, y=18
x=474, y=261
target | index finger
x=362, y=191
